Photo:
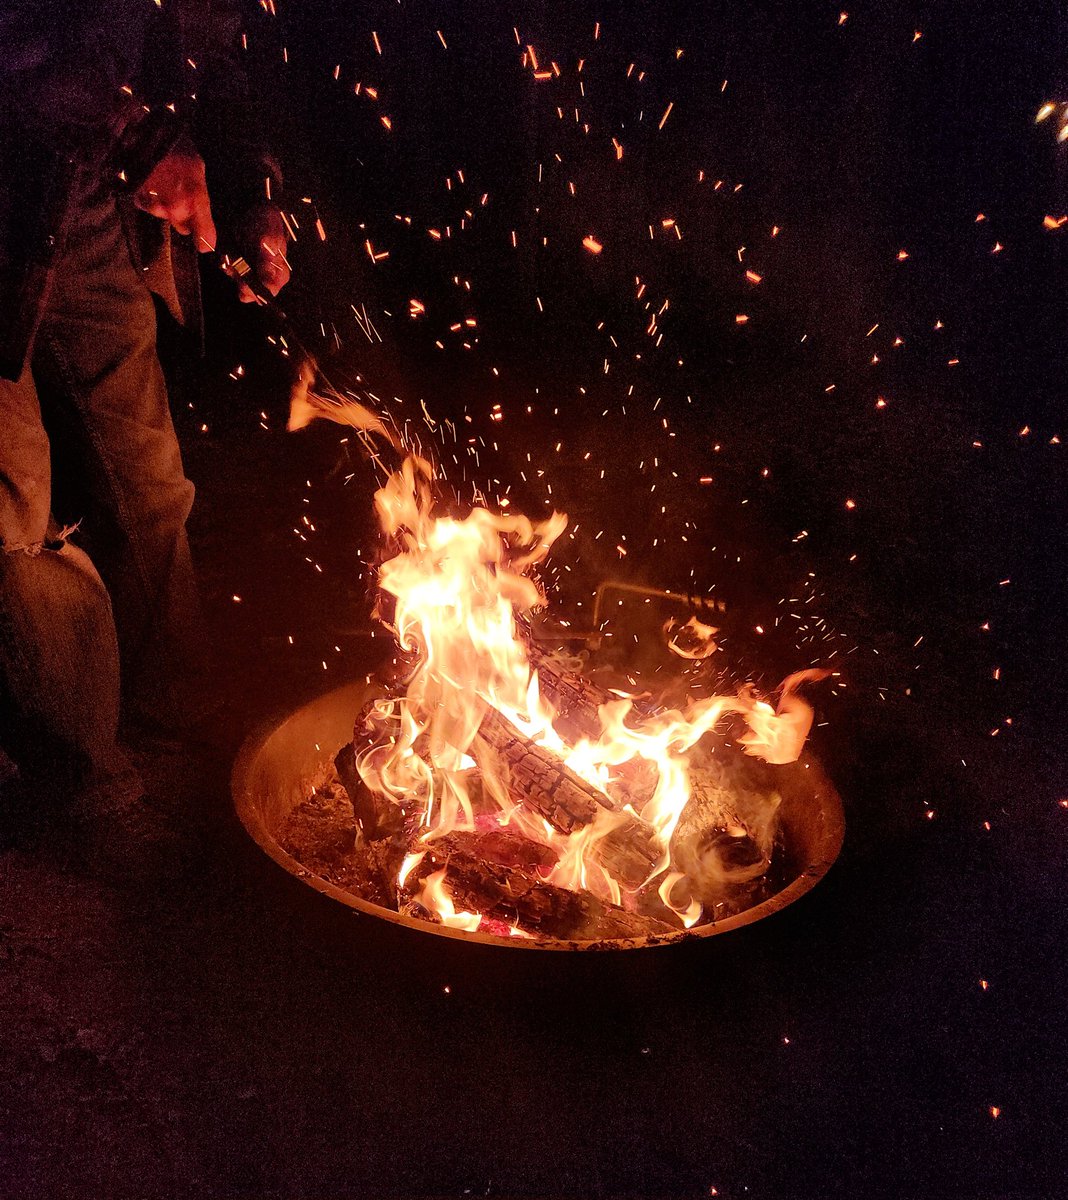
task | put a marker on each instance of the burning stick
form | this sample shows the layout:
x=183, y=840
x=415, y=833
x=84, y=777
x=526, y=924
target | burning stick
x=519, y=897
x=305, y=405
x=541, y=782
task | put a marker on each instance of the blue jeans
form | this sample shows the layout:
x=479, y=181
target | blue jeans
x=119, y=589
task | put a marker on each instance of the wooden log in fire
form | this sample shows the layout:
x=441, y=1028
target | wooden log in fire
x=520, y=897
x=574, y=699
x=544, y=784
x=535, y=778
x=503, y=847
x=376, y=815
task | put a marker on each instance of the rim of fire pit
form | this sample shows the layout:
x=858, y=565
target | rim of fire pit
x=277, y=763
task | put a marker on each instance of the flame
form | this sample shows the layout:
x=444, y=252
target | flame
x=411, y=861
x=692, y=640
x=453, y=588
x=690, y=913
x=436, y=899
x=778, y=734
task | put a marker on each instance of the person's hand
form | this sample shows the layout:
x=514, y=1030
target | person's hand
x=177, y=192
x=263, y=235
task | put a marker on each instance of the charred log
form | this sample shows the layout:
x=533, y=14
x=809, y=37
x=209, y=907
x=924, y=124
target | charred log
x=377, y=817
x=386, y=829
x=502, y=847
x=724, y=855
x=519, y=897
x=574, y=699
x=542, y=783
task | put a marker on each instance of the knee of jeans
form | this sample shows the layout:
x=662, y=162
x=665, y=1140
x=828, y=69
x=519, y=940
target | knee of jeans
x=162, y=475
x=152, y=484
x=170, y=500
x=24, y=512
x=189, y=495
x=17, y=543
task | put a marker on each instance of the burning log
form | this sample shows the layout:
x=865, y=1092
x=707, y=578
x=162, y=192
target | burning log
x=544, y=784
x=574, y=699
x=377, y=817
x=724, y=840
x=385, y=829
x=501, y=847
x=520, y=897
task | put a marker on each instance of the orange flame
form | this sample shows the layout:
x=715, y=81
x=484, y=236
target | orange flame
x=457, y=587
x=436, y=899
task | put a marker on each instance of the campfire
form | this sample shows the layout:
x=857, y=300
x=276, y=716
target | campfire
x=498, y=788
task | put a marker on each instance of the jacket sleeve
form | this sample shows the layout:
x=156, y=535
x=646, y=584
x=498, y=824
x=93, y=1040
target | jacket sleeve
x=65, y=72
x=229, y=121
x=64, y=77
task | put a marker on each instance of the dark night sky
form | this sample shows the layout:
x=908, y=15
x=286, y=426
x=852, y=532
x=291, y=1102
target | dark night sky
x=889, y=131
x=859, y=140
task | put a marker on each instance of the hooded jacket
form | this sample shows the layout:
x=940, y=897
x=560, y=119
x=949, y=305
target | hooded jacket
x=109, y=87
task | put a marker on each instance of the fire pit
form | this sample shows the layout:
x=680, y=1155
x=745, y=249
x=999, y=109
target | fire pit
x=275, y=769
x=487, y=786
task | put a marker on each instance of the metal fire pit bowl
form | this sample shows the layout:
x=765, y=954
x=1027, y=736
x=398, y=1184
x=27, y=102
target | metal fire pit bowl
x=275, y=767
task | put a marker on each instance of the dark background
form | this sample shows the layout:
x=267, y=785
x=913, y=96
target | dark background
x=226, y=1033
